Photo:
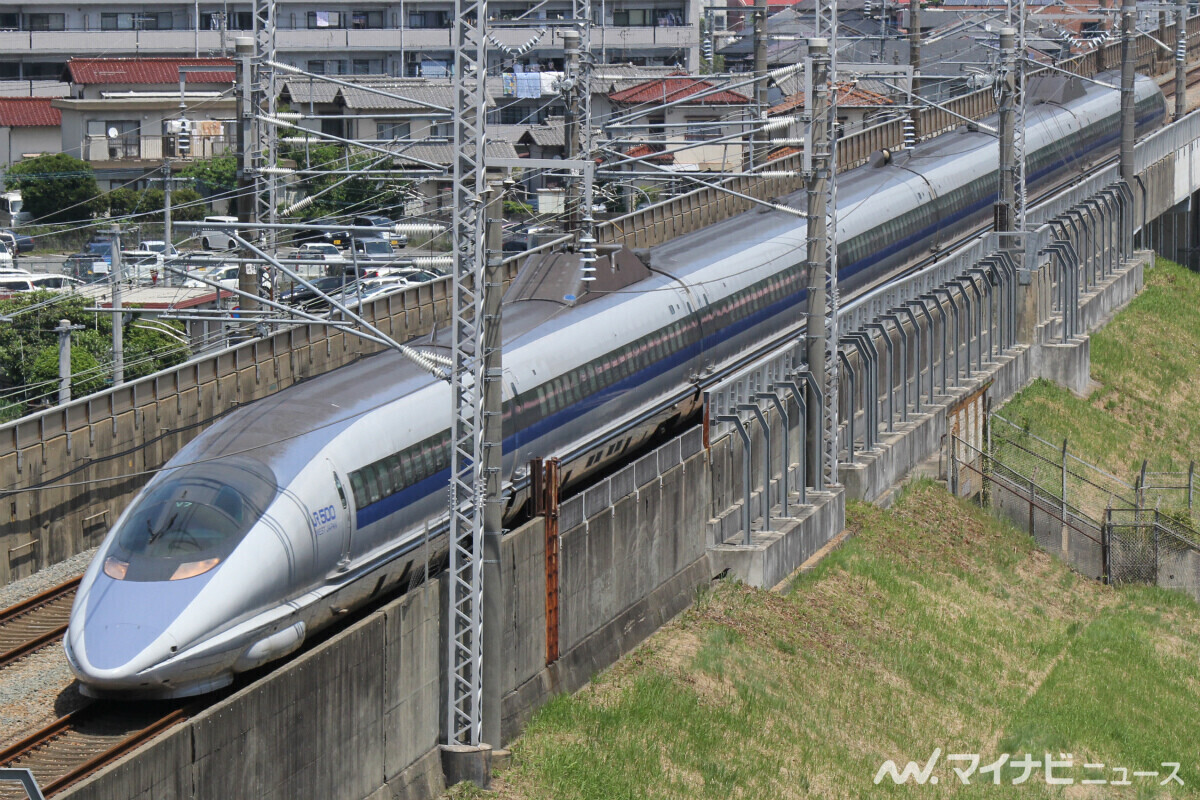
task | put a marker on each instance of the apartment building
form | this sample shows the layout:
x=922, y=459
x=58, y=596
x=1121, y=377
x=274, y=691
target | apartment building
x=339, y=36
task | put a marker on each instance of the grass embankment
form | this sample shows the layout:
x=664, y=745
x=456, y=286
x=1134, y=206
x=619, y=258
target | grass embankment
x=936, y=626
x=1146, y=363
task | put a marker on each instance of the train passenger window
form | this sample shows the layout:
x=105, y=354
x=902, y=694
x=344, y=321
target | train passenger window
x=372, y=483
x=384, y=476
x=406, y=467
x=360, y=491
x=393, y=466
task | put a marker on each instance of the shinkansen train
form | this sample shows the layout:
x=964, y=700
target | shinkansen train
x=285, y=514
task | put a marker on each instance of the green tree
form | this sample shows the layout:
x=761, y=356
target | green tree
x=86, y=374
x=335, y=194
x=29, y=348
x=57, y=188
x=215, y=175
x=188, y=205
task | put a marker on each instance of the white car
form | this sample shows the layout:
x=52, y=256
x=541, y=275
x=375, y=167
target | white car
x=158, y=246
x=320, y=251
x=218, y=238
x=224, y=274
x=11, y=282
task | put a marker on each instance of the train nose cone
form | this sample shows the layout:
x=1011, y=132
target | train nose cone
x=124, y=628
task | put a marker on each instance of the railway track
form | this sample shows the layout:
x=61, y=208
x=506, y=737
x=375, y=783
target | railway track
x=72, y=747
x=35, y=623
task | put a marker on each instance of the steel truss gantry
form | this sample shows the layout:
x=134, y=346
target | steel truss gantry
x=827, y=27
x=464, y=712
x=264, y=155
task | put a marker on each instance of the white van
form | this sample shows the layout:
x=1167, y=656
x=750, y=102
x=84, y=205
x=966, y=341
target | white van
x=12, y=211
x=218, y=238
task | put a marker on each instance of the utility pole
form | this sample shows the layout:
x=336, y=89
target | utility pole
x=1180, y=58
x=818, y=178
x=1128, y=53
x=64, y=359
x=571, y=122
x=493, y=509
x=167, y=233
x=914, y=61
x=1005, y=215
x=115, y=276
x=758, y=154
x=247, y=275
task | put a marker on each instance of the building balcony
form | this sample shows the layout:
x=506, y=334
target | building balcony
x=102, y=151
x=315, y=41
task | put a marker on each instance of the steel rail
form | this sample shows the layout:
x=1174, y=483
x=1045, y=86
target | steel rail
x=34, y=623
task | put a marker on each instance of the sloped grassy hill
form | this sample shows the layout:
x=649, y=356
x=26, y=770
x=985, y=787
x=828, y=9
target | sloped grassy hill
x=935, y=626
x=1146, y=366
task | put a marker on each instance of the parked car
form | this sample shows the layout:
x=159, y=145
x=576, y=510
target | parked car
x=18, y=242
x=373, y=250
x=11, y=283
x=101, y=246
x=305, y=298
x=142, y=266
x=224, y=274
x=336, y=238
x=320, y=251
x=218, y=238
x=158, y=246
x=386, y=229
x=87, y=267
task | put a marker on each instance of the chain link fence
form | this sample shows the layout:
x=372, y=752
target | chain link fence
x=1091, y=519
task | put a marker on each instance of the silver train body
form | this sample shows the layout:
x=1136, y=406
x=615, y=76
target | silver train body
x=286, y=513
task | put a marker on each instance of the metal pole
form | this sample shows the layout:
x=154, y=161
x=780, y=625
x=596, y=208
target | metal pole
x=744, y=434
x=1006, y=211
x=781, y=407
x=757, y=411
x=167, y=233
x=115, y=276
x=1128, y=54
x=1180, y=58
x=64, y=360
x=1191, y=475
x=493, y=508
x=247, y=275
x=464, y=724
x=758, y=153
x=818, y=50
x=914, y=61
x=1064, y=482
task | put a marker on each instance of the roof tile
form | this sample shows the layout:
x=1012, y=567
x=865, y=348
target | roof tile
x=677, y=87
x=28, y=112
x=156, y=71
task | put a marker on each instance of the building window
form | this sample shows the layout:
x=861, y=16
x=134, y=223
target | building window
x=9, y=71
x=10, y=21
x=441, y=130
x=366, y=19
x=43, y=70
x=46, y=22
x=325, y=19
x=701, y=130
x=648, y=17
x=429, y=19
x=316, y=67
x=364, y=66
x=334, y=127
x=241, y=21
x=392, y=130
x=121, y=135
